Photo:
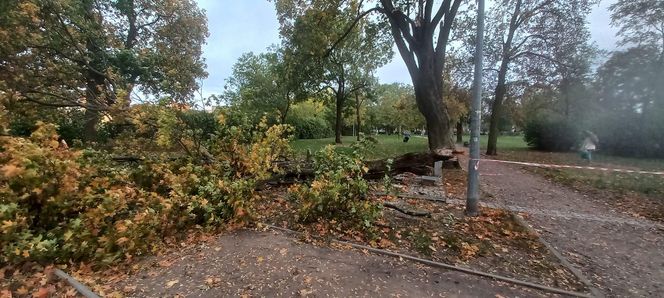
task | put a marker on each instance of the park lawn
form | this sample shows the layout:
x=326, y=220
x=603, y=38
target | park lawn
x=514, y=148
x=393, y=145
x=388, y=145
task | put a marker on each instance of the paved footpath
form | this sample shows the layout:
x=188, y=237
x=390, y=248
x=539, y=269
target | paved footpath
x=623, y=256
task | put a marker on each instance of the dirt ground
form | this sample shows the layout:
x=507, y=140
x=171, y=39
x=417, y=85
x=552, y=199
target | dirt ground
x=621, y=254
x=268, y=264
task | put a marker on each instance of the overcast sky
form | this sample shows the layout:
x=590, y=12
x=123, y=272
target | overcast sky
x=242, y=26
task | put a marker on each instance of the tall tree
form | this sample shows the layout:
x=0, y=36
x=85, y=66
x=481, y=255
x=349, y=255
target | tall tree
x=361, y=99
x=421, y=31
x=264, y=83
x=350, y=67
x=640, y=23
x=629, y=85
x=393, y=108
x=532, y=39
x=91, y=54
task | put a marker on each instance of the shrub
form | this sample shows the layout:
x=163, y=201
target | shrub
x=631, y=135
x=69, y=123
x=551, y=132
x=310, y=127
x=61, y=205
x=338, y=190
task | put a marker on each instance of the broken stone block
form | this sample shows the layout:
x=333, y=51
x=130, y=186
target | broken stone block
x=430, y=180
x=438, y=168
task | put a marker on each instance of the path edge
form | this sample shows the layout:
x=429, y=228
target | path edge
x=561, y=258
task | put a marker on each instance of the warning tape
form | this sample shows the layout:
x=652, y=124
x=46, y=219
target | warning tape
x=574, y=167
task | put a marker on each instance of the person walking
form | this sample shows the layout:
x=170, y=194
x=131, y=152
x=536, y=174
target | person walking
x=406, y=136
x=588, y=145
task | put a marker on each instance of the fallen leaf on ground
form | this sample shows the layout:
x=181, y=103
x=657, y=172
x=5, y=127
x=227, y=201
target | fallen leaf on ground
x=171, y=283
x=212, y=281
x=305, y=292
x=129, y=289
x=41, y=293
x=22, y=291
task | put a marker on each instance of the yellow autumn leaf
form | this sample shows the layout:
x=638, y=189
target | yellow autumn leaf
x=68, y=235
x=54, y=144
x=121, y=240
x=6, y=225
x=22, y=291
x=11, y=170
x=171, y=283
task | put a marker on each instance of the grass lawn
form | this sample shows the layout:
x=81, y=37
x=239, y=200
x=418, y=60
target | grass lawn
x=393, y=145
x=514, y=148
x=388, y=146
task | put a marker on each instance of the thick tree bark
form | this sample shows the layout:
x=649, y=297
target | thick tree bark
x=459, y=131
x=429, y=97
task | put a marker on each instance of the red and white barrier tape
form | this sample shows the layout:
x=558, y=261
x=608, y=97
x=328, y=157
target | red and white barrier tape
x=573, y=167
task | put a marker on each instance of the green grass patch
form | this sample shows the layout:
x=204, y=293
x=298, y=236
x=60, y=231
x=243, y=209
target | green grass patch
x=504, y=142
x=388, y=145
x=393, y=145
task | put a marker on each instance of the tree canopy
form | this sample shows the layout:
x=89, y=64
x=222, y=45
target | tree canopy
x=92, y=54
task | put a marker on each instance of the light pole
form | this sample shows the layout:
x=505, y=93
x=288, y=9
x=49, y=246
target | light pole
x=473, y=192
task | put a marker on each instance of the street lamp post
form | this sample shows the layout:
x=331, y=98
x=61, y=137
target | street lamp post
x=473, y=192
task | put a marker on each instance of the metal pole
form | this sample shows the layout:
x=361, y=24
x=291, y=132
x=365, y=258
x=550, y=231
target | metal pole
x=473, y=192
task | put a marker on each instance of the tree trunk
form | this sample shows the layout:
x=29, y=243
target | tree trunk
x=429, y=97
x=425, y=62
x=496, y=110
x=94, y=79
x=285, y=111
x=339, y=121
x=357, y=114
x=459, y=131
x=501, y=90
x=90, y=125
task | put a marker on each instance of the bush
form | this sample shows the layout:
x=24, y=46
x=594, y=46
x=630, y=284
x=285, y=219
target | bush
x=311, y=127
x=59, y=205
x=631, y=135
x=551, y=132
x=338, y=190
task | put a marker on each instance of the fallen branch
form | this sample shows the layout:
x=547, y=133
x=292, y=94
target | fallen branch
x=417, y=213
x=414, y=196
x=82, y=289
